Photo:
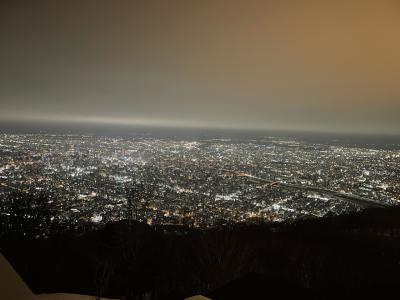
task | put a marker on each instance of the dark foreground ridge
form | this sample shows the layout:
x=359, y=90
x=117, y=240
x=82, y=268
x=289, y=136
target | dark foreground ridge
x=355, y=255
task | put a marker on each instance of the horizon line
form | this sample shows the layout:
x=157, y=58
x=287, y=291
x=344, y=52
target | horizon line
x=175, y=124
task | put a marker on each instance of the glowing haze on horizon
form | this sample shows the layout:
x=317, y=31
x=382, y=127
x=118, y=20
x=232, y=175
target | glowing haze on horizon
x=303, y=65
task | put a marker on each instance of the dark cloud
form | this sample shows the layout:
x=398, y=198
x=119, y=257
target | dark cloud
x=247, y=64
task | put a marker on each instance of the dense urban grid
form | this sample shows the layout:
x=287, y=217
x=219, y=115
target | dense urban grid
x=202, y=183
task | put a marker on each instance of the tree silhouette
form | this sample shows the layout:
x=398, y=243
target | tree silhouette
x=29, y=215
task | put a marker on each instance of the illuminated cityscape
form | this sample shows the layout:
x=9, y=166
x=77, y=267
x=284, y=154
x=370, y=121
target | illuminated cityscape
x=199, y=183
x=199, y=150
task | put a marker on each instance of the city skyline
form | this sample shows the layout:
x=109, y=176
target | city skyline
x=201, y=182
x=232, y=149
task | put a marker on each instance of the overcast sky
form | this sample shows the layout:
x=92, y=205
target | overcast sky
x=305, y=65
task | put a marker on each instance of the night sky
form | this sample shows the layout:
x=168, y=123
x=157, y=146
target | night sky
x=303, y=65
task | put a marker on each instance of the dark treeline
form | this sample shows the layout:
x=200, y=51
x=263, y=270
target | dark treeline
x=355, y=255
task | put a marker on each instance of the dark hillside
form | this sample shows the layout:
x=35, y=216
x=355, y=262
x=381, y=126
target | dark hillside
x=355, y=255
